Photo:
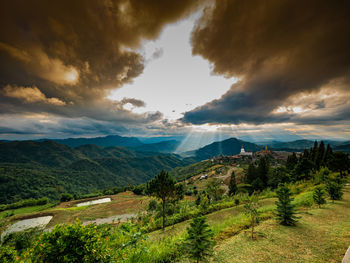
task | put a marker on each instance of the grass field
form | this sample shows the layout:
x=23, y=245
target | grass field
x=321, y=235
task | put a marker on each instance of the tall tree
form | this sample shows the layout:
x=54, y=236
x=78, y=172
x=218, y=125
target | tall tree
x=163, y=188
x=232, y=188
x=320, y=156
x=292, y=161
x=263, y=170
x=199, y=242
x=286, y=213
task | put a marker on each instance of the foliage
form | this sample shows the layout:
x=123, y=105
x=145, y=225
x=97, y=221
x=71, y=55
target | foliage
x=65, y=197
x=285, y=208
x=47, y=169
x=251, y=209
x=233, y=185
x=334, y=190
x=318, y=196
x=71, y=243
x=199, y=242
x=25, y=203
x=8, y=254
x=152, y=205
x=214, y=189
x=21, y=240
x=163, y=188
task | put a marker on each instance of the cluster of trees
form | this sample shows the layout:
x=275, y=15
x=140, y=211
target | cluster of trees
x=313, y=159
x=261, y=175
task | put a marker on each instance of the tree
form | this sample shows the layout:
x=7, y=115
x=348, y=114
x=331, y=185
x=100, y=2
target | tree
x=320, y=155
x=285, y=209
x=232, y=188
x=214, y=189
x=334, y=190
x=318, y=196
x=251, y=209
x=178, y=195
x=163, y=188
x=263, y=170
x=339, y=162
x=199, y=242
x=292, y=161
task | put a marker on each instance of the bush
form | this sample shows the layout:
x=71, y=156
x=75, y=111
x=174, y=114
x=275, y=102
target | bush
x=65, y=197
x=8, y=254
x=71, y=243
x=334, y=190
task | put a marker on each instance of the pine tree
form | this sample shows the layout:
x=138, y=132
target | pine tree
x=285, y=209
x=320, y=155
x=233, y=185
x=318, y=196
x=199, y=242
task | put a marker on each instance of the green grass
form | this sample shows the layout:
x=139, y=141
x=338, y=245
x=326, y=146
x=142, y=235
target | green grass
x=321, y=235
x=26, y=210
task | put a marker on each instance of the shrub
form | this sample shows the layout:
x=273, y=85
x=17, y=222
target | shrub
x=65, y=197
x=8, y=254
x=334, y=190
x=71, y=243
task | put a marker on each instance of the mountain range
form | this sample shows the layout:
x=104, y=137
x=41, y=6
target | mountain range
x=35, y=169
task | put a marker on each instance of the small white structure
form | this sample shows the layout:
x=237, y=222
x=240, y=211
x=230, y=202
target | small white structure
x=204, y=176
x=244, y=153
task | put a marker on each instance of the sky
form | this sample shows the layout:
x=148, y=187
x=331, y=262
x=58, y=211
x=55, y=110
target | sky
x=197, y=70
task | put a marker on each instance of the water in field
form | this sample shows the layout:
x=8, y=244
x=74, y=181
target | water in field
x=25, y=224
x=95, y=202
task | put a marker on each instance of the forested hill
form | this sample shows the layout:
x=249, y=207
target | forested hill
x=230, y=146
x=106, y=141
x=36, y=169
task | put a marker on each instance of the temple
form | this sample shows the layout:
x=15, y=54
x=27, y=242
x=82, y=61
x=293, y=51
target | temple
x=243, y=152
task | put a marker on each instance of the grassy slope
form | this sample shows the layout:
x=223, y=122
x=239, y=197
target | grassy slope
x=321, y=235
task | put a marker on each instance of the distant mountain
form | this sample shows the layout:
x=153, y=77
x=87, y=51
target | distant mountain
x=300, y=145
x=342, y=148
x=230, y=146
x=107, y=141
x=36, y=169
x=162, y=147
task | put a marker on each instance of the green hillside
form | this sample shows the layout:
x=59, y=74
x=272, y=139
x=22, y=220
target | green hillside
x=37, y=169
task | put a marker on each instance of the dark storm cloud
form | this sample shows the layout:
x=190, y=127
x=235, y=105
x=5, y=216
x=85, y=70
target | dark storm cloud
x=278, y=49
x=70, y=54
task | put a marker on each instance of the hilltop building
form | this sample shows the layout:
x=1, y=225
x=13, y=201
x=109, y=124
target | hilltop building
x=244, y=153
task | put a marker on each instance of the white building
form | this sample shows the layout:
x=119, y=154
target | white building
x=243, y=152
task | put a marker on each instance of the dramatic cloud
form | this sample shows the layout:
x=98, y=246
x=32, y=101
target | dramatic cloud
x=280, y=50
x=73, y=53
x=30, y=95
